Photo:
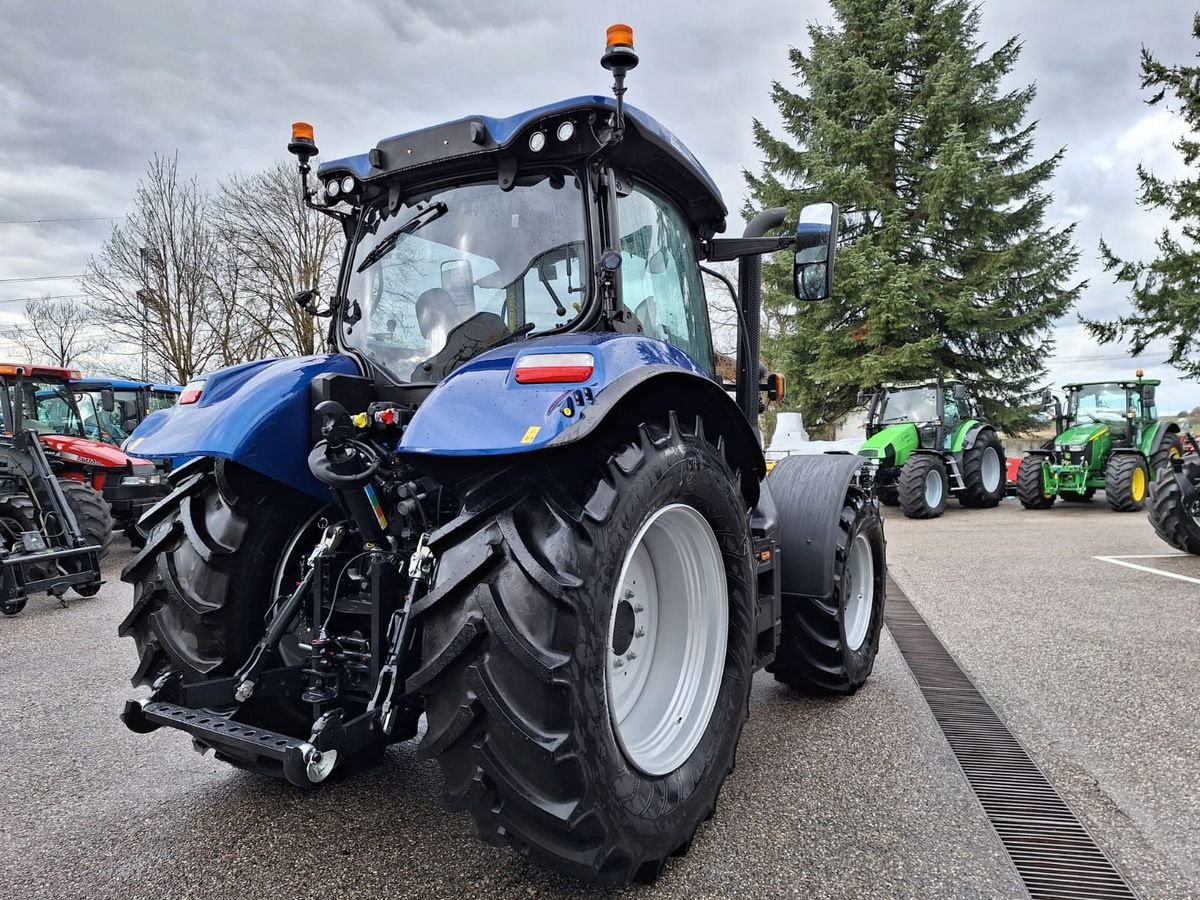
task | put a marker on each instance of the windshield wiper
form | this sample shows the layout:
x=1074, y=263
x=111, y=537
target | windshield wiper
x=419, y=219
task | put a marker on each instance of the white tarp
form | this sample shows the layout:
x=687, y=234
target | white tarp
x=790, y=437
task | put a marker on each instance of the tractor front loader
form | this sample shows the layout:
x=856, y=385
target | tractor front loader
x=1109, y=438
x=927, y=441
x=43, y=548
x=514, y=498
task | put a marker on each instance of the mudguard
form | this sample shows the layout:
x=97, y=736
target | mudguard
x=256, y=414
x=964, y=437
x=808, y=493
x=1153, y=437
x=481, y=410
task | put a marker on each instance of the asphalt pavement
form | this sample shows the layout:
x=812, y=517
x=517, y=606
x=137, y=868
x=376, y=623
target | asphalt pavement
x=1092, y=664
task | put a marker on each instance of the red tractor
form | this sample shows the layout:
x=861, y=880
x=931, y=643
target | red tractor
x=73, y=442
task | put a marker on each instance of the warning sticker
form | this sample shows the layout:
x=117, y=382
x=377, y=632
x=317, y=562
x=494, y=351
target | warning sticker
x=530, y=434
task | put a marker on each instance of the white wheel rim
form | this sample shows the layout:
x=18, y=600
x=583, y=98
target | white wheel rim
x=989, y=469
x=933, y=488
x=667, y=637
x=859, y=592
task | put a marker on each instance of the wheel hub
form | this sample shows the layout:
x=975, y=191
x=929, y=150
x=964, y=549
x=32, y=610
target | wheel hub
x=667, y=639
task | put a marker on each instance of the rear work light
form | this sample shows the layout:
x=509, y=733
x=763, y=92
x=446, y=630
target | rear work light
x=554, y=368
x=191, y=393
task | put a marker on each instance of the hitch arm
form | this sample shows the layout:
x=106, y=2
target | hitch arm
x=248, y=674
x=387, y=689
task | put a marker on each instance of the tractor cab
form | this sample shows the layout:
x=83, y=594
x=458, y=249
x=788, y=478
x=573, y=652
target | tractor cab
x=1125, y=408
x=120, y=404
x=936, y=407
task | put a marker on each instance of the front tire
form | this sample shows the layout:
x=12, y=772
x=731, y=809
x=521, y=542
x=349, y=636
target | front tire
x=923, y=486
x=540, y=735
x=828, y=646
x=1031, y=489
x=1126, y=481
x=92, y=512
x=983, y=472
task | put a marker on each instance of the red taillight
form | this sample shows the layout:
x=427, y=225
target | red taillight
x=191, y=393
x=554, y=368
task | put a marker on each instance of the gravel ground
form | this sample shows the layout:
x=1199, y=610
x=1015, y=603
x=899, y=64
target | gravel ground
x=1092, y=665
x=857, y=797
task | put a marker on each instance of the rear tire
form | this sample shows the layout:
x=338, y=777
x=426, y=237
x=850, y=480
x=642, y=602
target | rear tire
x=18, y=514
x=206, y=577
x=1172, y=520
x=828, y=646
x=983, y=472
x=1126, y=481
x=923, y=486
x=518, y=635
x=1030, y=485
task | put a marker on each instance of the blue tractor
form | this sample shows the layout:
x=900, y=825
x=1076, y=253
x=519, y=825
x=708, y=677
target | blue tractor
x=514, y=499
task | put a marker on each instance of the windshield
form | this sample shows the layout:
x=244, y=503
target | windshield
x=909, y=405
x=48, y=408
x=476, y=256
x=99, y=424
x=1107, y=403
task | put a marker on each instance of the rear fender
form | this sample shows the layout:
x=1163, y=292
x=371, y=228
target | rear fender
x=809, y=492
x=257, y=414
x=1156, y=435
x=481, y=410
x=968, y=434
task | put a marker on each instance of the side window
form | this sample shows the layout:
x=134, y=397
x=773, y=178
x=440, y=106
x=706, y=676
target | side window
x=660, y=282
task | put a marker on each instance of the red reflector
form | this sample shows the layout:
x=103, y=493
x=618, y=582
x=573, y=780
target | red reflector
x=553, y=374
x=191, y=393
x=554, y=368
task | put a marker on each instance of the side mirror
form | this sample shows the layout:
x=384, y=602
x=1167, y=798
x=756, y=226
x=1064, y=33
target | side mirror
x=816, y=243
x=775, y=386
x=307, y=300
x=128, y=411
x=106, y=400
x=862, y=398
x=1047, y=399
x=959, y=392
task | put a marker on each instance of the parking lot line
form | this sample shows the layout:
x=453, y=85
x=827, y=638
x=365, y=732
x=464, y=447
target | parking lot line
x=1124, y=561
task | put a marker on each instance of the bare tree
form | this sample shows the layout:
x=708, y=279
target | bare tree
x=58, y=332
x=283, y=247
x=162, y=281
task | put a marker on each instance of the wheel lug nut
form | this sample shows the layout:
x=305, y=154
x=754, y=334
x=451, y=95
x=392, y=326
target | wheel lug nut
x=628, y=595
x=637, y=608
x=620, y=662
x=631, y=656
x=641, y=632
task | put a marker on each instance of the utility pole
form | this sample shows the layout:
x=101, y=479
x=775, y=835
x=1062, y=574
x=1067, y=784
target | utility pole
x=151, y=259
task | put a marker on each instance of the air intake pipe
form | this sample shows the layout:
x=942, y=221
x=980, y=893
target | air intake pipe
x=750, y=300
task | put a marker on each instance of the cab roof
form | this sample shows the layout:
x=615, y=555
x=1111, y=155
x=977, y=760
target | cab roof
x=117, y=384
x=1153, y=382
x=32, y=371
x=649, y=151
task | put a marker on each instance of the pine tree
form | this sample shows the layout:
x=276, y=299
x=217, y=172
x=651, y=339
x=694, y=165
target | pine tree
x=945, y=264
x=1166, y=291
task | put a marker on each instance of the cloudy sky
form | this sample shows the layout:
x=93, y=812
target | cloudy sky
x=89, y=90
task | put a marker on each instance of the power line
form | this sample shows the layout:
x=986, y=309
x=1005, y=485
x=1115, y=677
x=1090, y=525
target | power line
x=39, y=278
x=75, y=219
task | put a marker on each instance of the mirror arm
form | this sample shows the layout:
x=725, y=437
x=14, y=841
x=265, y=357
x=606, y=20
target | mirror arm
x=725, y=249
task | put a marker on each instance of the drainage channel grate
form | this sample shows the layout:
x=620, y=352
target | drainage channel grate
x=1053, y=852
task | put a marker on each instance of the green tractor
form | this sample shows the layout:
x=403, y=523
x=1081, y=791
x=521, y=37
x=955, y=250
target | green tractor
x=928, y=441
x=1109, y=437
